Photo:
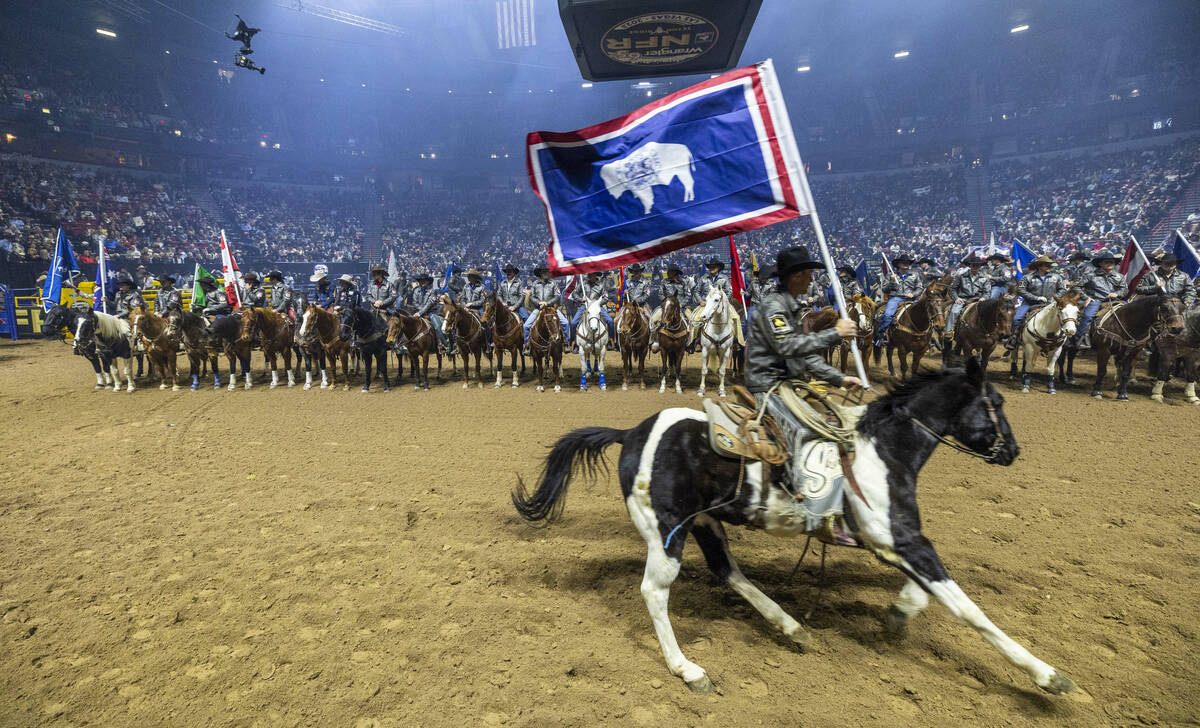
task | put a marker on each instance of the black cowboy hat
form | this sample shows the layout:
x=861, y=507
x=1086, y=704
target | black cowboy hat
x=207, y=284
x=766, y=272
x=925, y=260
x=636, y=268
x=997, y=256
x=1169, y=259
x=511, y=267
x=790, y=260
x=715, y=262
x=1078, y=256
x=125, y=278
x=848, y=269
x=903, y=259
x=1102, y=256
x=165, y=277
x=250, y=275
x=424, y=277
x=277, y=275
x=672, y=268
x=141, y=267
x=972, y=259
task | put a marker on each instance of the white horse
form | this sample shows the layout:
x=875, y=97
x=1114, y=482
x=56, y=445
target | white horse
x=1047, y=332
x=591, y=339
x=717, y=330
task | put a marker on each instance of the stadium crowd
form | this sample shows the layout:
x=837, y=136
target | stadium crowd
x=1054, y=204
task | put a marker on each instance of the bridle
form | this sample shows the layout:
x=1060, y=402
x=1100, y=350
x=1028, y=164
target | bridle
x=547, y=317
x=997, y=443
x=594, y=332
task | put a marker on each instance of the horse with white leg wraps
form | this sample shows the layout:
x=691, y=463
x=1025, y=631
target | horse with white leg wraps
x=718, y=330
x=674, y=485
x=1046, y=330
x=591, y=338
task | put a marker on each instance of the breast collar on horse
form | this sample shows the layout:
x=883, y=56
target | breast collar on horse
x=909, y=330
x=1129, y=340
x=1048, y=343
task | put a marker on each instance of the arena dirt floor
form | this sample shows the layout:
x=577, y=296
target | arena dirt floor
x=329, y=558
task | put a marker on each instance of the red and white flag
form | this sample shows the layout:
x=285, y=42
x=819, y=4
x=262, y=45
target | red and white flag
x=737, y=282
x=230, y=272
x=570, y=287
x=1134, y=265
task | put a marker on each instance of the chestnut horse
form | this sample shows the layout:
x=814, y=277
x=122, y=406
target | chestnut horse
x=275, y=335
x=420, y=340
x=508, y=335
x=546, y=347
x=1122, y=331
x=912, y=330
x=981, y=326
x=327, y=327
x=469, y=330
x=672, y=342
x=161, y=345
x=633, y=338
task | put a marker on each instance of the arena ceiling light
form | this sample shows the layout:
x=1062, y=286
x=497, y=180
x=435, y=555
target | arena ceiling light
x=1020, y=28
x=106, y=32
x=585, y=84
x=340, y=16
x=900, y=54
x=803, y=69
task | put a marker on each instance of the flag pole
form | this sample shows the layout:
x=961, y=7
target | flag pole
x=838, y=295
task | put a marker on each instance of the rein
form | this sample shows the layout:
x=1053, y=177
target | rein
x=997, y=444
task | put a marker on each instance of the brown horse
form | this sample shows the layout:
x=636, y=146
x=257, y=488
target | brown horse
x=546, y=346
x=420, y=340
x=1182, y=347
x=672, y=343
x=275, y=335
x=328, y=328
x=1122, y=331
x=161, y=345
x=633, y=338
x=913, y=328
x=860, y=310
x=981, y=326
x=191, y=329
x=470, y=337
x=508, y=335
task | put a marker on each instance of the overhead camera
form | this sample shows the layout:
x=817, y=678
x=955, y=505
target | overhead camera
x=244, y=34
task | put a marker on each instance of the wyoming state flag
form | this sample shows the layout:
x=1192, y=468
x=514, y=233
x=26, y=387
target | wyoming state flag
x=710, y=160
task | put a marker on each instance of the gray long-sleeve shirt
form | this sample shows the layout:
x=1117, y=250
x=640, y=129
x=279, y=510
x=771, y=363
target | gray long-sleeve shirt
x=778, y=350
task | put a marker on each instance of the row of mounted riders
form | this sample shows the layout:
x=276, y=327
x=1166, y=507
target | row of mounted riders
x=1121, y=331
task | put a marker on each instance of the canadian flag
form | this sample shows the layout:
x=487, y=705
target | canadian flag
x=1134, y=265
x=229, y=271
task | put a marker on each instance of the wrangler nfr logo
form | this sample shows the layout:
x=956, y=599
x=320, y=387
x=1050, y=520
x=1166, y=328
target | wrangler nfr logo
x=659, y=39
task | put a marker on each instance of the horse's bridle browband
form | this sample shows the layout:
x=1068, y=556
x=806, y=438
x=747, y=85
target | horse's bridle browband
x=997, y=444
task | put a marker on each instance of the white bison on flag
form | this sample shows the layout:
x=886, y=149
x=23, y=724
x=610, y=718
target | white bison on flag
x=649, y=165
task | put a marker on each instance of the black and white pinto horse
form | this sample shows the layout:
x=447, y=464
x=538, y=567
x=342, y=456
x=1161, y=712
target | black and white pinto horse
x=62, y=318
x=111, y=340
x=674, y=484
x=370, y=339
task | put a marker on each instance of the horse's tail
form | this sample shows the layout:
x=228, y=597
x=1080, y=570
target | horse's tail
x=581, y=449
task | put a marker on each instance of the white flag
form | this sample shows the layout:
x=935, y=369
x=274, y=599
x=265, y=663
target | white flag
x=229, y=271
x=1134, y=265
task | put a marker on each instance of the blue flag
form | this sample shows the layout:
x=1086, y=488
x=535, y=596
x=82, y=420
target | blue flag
x=1021, y=256
x=1189, y=259
x=863, y=273
x=497, y=276
x=704, y=162
x=62, y=261
x=446, y=280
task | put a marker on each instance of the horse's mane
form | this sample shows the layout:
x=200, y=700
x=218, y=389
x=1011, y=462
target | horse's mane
x=111, y=327
x=894, y=405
